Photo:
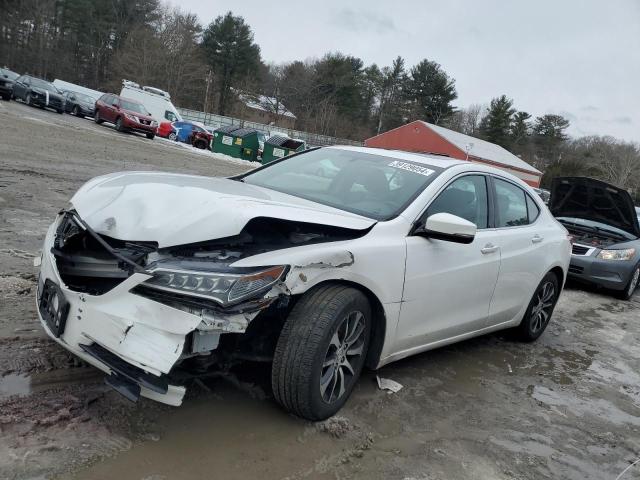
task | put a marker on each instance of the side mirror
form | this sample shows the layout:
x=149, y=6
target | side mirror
x=447, y=227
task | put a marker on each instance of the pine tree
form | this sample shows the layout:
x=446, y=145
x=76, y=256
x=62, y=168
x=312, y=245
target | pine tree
x=431, y=92
x=496, y=125
x=549, y=135
x=231, y=53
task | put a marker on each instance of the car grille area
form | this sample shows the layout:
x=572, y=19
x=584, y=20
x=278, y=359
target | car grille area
x=579, y=249
x=576, y=269
x=90, y=263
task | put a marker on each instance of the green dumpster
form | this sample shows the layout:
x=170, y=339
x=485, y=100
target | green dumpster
x=236, y=142
x=278, y=146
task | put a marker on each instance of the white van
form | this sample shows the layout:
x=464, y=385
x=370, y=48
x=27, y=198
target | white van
x=156, y=101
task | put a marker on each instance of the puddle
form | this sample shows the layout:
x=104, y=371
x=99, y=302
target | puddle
x=12, y=384
x=22, y=385
x=224, y=435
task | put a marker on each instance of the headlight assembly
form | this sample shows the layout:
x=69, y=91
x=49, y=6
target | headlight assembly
x=626, y=254
x=224, y=288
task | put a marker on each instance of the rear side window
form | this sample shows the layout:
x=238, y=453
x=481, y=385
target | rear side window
x=511, y=204
x=465, y=197
x=532, y=209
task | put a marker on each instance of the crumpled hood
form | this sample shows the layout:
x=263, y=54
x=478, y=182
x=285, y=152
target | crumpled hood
x=174, y=209
x=582, y=197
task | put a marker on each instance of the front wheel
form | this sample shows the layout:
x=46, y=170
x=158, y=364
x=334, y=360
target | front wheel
x=151, y=136
x=76, y=111
x=172, y=136
x=28, y=100
x=96, y=117
x=119, y=124
x=538, y=313
x=631, y=286
x=321, y=351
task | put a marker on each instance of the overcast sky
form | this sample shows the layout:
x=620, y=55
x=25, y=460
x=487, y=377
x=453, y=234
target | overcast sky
x=578, y=58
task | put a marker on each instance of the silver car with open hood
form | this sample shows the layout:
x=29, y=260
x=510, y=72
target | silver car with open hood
x=606, y=234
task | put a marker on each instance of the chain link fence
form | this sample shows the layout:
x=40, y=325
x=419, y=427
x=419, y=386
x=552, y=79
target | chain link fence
x=217, y=121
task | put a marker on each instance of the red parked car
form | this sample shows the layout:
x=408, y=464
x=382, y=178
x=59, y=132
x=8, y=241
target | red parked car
x=166, y=130
x=126, y=114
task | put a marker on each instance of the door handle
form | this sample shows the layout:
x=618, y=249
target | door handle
x=489, y=248
x=536, y=239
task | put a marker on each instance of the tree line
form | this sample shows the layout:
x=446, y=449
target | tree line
x=205, y=67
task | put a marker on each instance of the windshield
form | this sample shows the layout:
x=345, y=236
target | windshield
x=81, y=97
x=596, y=226
x=374, y=186
x=36, y=82
x=132, y=106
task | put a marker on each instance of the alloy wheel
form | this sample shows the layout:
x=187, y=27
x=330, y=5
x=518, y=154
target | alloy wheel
x=28, y=99
x=541, y=311
x=342, y=357
x=76, y=112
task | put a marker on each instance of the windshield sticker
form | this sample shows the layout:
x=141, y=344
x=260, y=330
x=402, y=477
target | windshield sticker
x=410, y=167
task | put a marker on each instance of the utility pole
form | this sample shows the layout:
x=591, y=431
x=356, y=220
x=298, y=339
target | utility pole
x=209, y=81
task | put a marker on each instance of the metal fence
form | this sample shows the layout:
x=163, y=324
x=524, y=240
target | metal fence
x=217, y=121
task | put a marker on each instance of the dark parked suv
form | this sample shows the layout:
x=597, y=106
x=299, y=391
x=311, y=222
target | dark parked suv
x=126, y=114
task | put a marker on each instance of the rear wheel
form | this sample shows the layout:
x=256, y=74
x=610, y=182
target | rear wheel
x=321, y=351
x=634, y=280
x=97, y=118
x=538, y=313
x=119, y=124
x=151, y=136
x=76, y=111
x=172, y=136
x=201, y=144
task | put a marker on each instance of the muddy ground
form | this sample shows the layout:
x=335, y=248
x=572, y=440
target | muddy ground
x=565, y=407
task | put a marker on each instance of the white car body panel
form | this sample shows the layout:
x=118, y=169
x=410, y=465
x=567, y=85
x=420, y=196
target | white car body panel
x=174, y=209
x=432, y=292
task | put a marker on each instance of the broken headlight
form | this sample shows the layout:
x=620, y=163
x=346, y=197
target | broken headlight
x=225, y=288
x=625, y=254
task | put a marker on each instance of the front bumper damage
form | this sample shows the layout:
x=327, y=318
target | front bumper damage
x=134, y=338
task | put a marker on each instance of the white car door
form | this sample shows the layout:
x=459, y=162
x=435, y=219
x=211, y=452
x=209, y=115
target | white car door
x=448, y=286
x=522, y=256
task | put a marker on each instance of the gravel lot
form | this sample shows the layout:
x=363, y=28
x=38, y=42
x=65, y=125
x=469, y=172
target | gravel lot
x=565, y=407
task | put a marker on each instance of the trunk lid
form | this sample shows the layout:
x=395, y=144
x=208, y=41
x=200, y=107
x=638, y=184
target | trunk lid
x=589, y=199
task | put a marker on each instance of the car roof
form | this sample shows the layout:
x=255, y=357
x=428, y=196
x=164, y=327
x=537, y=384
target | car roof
x=424, y=158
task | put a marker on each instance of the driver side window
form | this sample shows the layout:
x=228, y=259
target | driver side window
x=465, y=197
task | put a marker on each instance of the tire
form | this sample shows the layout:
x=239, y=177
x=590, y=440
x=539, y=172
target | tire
x=314, y=334
x=172, y=136
x=540, y=309
x=119, y=126
x=76, y=111
x=151, y=136
x=60, y=111
x=96, y=117
x=632, y=285
x=6, y=97
x=200, y=144
x=28, y=100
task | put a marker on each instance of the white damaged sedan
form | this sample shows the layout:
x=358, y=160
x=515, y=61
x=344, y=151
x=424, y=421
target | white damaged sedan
x=155, y=278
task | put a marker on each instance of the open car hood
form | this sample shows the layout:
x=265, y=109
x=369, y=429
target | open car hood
x=589, y=199
x=173, y=209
